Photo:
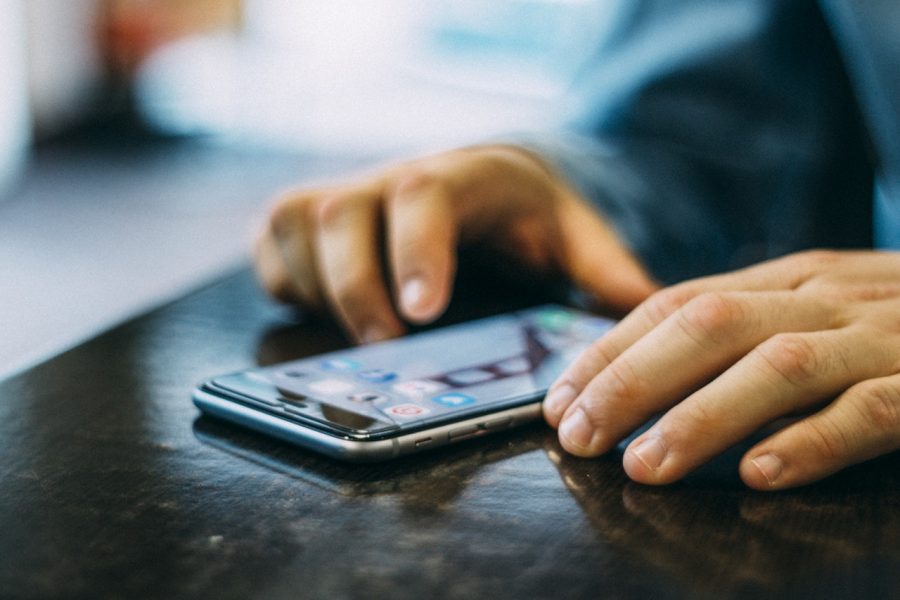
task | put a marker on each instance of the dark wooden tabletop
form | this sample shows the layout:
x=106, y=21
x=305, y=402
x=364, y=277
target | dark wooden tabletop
x=111, y=485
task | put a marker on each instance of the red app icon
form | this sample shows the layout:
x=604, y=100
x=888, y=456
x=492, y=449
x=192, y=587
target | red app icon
x=406, y=411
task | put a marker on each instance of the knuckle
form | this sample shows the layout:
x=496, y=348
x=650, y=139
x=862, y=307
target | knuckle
x=594, y=404
x=880, y=406
x=593, y=360
x=416, y=180
x=507, y=160
x=288, y=214
x=409, y=252
x=870, y=291
x=815, y=261
x=600, y=420
x=701, y=415
x=826, y=440
x=711, y=315
x=824, y=288
x=417, y=245
x=666, y=301
x=791, y=356
x=618, y=381
x=329, y=208
x=599, y=355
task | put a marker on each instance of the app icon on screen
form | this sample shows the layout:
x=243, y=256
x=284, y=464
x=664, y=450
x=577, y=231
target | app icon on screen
x=406, y=411
x=339, y=364
x=377, y=375
x=368, y=398
x=418, y=388
x=554, y=319
x=454, y=400
x=331, y=386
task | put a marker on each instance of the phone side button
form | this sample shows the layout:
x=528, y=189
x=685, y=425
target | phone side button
x=497, y=424
x=462, y=432
x=423, y=442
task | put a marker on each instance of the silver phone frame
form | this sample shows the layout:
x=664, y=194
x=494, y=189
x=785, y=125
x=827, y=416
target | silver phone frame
x=350, y=450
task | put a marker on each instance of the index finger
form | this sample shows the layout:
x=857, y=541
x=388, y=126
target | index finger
x=421, y=237
x=348, y=245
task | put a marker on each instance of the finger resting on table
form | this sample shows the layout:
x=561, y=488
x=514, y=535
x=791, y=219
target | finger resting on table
x=787, y=374
x=861, y=424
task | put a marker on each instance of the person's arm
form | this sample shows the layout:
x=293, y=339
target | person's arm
x=714, y=134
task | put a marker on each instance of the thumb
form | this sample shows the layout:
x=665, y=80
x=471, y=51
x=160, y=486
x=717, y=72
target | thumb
x=598, y=262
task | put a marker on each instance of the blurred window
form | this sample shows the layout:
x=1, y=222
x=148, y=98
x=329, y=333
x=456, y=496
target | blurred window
x=375, y=76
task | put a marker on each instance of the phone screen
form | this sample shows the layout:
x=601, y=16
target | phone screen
x=426, y=378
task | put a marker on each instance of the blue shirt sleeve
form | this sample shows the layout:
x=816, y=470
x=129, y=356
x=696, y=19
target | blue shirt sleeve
x=716, y=133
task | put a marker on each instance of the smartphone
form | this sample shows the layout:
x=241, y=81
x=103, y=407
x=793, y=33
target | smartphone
x=409, y=478
x=407, y=395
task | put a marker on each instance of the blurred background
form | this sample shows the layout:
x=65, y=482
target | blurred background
x=140, y=140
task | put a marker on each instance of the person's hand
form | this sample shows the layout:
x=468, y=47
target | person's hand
x=390, y=240
x=814, y=335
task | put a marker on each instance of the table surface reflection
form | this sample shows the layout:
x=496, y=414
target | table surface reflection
x=111, y=485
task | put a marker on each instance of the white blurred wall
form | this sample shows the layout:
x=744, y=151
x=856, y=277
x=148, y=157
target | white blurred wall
x=375, y=76
x=15, y=125
x=50, y=69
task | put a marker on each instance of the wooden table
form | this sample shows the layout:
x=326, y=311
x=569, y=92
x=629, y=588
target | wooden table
x=112, y=486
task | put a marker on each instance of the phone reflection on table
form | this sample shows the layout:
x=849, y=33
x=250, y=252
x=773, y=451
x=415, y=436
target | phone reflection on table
x=426, y=480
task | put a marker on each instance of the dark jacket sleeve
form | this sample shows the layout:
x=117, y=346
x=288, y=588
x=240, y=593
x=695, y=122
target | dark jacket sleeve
x=716, y=133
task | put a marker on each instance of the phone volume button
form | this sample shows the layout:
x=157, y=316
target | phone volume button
x=462, y=432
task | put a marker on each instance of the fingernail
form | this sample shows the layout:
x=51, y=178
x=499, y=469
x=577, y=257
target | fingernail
x=651, y=452
x=413, y=292
x=412, y=296
x=559, y=399
x=770, y=466
x=373, y=333
x=577, y=430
